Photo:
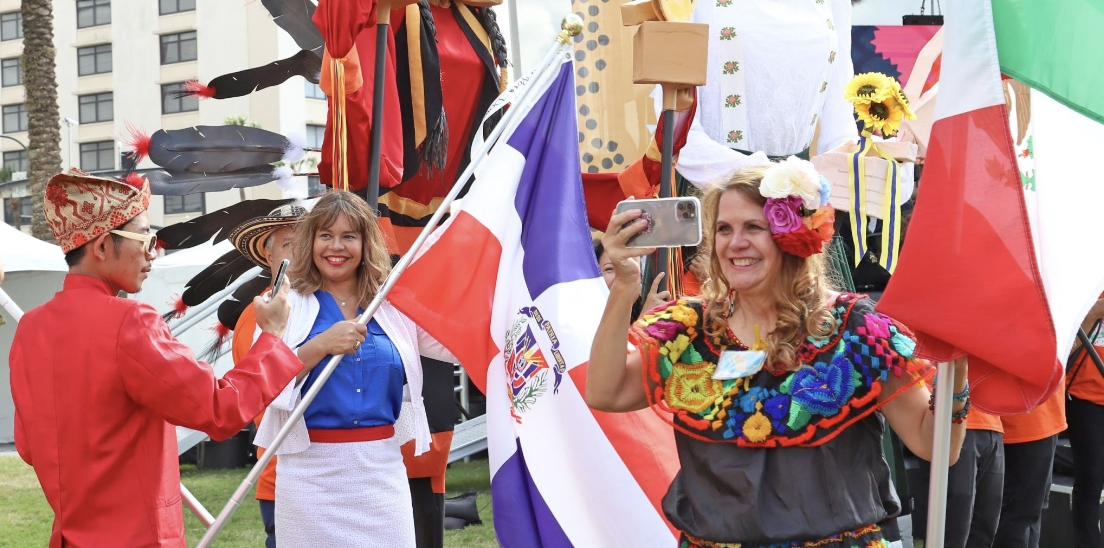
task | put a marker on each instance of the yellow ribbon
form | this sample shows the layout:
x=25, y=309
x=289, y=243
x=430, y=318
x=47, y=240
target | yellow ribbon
x=891, y=206
x=341, y=137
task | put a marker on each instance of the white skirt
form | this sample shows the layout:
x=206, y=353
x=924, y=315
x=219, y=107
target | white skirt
x=343, y=495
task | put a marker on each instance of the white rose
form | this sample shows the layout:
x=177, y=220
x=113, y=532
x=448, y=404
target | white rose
x=793, y=177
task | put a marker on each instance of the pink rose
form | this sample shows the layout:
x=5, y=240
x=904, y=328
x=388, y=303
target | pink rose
x=782, y=214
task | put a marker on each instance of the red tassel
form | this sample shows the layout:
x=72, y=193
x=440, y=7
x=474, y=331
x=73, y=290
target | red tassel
x=198, y=89
x=179, y=308
x=139, y=140
x=135, y=180
x=221, y=330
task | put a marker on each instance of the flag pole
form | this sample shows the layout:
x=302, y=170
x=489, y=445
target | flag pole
x=571, y=26
x=209, y=306
x=941, y=453
x=17, y=314
x=383, y=28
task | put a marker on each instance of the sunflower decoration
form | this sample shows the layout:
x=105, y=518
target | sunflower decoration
x=879, y=102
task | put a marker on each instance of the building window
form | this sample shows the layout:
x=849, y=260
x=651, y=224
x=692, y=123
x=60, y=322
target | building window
x=16, y=161
x=172, y=102
x=94, y=60
x=176, y=6
x=177, y=48
x=192, y=203
x=314, y=186
x=313, y=91
x=93, y=13
x=98, y=156
x=17, y=211
x=11, y=25
x=98, y=107
x=315, y=134
x=15, y=118
x=11, y=71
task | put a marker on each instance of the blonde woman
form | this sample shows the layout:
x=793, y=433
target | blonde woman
x=341, y=476
x=773, y=381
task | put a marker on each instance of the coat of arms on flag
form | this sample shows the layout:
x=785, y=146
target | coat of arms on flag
x=527, y=369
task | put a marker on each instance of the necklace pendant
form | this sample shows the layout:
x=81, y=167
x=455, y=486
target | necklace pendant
x=342, y=303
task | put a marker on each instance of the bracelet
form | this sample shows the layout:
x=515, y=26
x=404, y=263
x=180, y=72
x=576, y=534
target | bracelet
x=958, y=416
x=963, y=396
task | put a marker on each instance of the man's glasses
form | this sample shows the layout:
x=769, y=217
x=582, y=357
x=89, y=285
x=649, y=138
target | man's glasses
x=149, y=241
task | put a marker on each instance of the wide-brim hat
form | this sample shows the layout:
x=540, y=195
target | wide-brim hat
x=80, y=207
x=250, y=236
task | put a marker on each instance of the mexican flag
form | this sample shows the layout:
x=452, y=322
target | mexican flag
x=1054, y=46
x=997, y=263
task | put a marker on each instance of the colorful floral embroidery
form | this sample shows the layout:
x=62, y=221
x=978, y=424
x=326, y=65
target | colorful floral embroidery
x=735, y=136
x=727, y=3
x=733, y=101
x=823, y=87
x=870, y=536
x=731, y=67
x=691, y=387
x=728, y=33
x=56, y=195
x=832, y=57
x=838, y=383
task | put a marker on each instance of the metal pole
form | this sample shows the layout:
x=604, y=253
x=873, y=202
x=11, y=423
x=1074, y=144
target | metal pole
x=383, y=15
x=209, y=306
x=204, y=516
x=666, y=186
x=509, y=120
x=515, y=40
x=941, y=454
x=196, y=507
x=9, y=305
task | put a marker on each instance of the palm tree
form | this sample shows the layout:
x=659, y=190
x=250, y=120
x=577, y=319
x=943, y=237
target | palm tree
x=43, y=127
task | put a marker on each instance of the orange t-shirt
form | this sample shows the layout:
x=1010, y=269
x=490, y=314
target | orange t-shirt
x=979, y=420
x=1044, y=421
x=242, y=341
x=1085, y=382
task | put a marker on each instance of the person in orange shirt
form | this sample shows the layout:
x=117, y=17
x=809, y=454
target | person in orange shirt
x=266, y=241
x=1029, y=443
x=1085, y=409
x=974, y=486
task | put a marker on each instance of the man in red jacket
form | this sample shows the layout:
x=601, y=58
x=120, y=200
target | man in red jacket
x=99, y=381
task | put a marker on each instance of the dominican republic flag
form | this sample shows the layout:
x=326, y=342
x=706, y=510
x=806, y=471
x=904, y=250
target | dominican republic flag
x=1000, y=261
x=511, y=286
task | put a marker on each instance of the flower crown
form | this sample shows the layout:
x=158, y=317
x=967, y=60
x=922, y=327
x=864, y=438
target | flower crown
x=801, y=221
x=879, y=102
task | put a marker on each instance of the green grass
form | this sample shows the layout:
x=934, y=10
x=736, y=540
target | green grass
x=25, y=518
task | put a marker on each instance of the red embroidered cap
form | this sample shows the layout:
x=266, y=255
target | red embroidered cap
x=80, y=207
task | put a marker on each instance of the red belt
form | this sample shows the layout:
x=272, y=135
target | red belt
x=346, y=435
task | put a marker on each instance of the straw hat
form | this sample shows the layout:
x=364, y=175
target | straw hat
x=249, y=237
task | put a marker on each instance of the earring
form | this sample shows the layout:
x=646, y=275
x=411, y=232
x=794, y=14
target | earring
x=730, y=304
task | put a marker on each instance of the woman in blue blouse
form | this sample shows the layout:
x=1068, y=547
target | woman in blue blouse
x=341, y=479
x=775, y=384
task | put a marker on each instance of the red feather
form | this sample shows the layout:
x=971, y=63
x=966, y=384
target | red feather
x=198, y=89
x=179, y=308
x=135, y=180
x=221, y=330
x=139, y=140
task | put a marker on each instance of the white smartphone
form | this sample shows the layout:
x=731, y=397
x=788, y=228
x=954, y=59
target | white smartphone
x=672, y=222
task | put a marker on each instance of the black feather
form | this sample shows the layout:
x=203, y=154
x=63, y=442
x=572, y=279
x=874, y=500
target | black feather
x=216, y=149
x=294, y=16
x=236, y=84
x=231, y=309
x=216, y=225
x=216, y=277
x=182, y=183
x=214, y=350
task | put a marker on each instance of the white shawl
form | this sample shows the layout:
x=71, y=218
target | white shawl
x=409, y=339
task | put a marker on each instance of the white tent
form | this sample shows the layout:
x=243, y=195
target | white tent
x=34, y=271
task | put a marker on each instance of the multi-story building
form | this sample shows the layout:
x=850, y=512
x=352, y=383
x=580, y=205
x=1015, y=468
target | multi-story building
x=118, y=64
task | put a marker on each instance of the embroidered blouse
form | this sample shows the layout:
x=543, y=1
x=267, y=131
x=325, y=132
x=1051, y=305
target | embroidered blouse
x=366, y=389
x=790, y=456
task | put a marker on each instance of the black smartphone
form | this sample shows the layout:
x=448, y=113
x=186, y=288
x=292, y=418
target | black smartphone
x=279, y=278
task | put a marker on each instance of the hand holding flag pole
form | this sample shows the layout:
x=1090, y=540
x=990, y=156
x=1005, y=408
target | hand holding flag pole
x=572, y=25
